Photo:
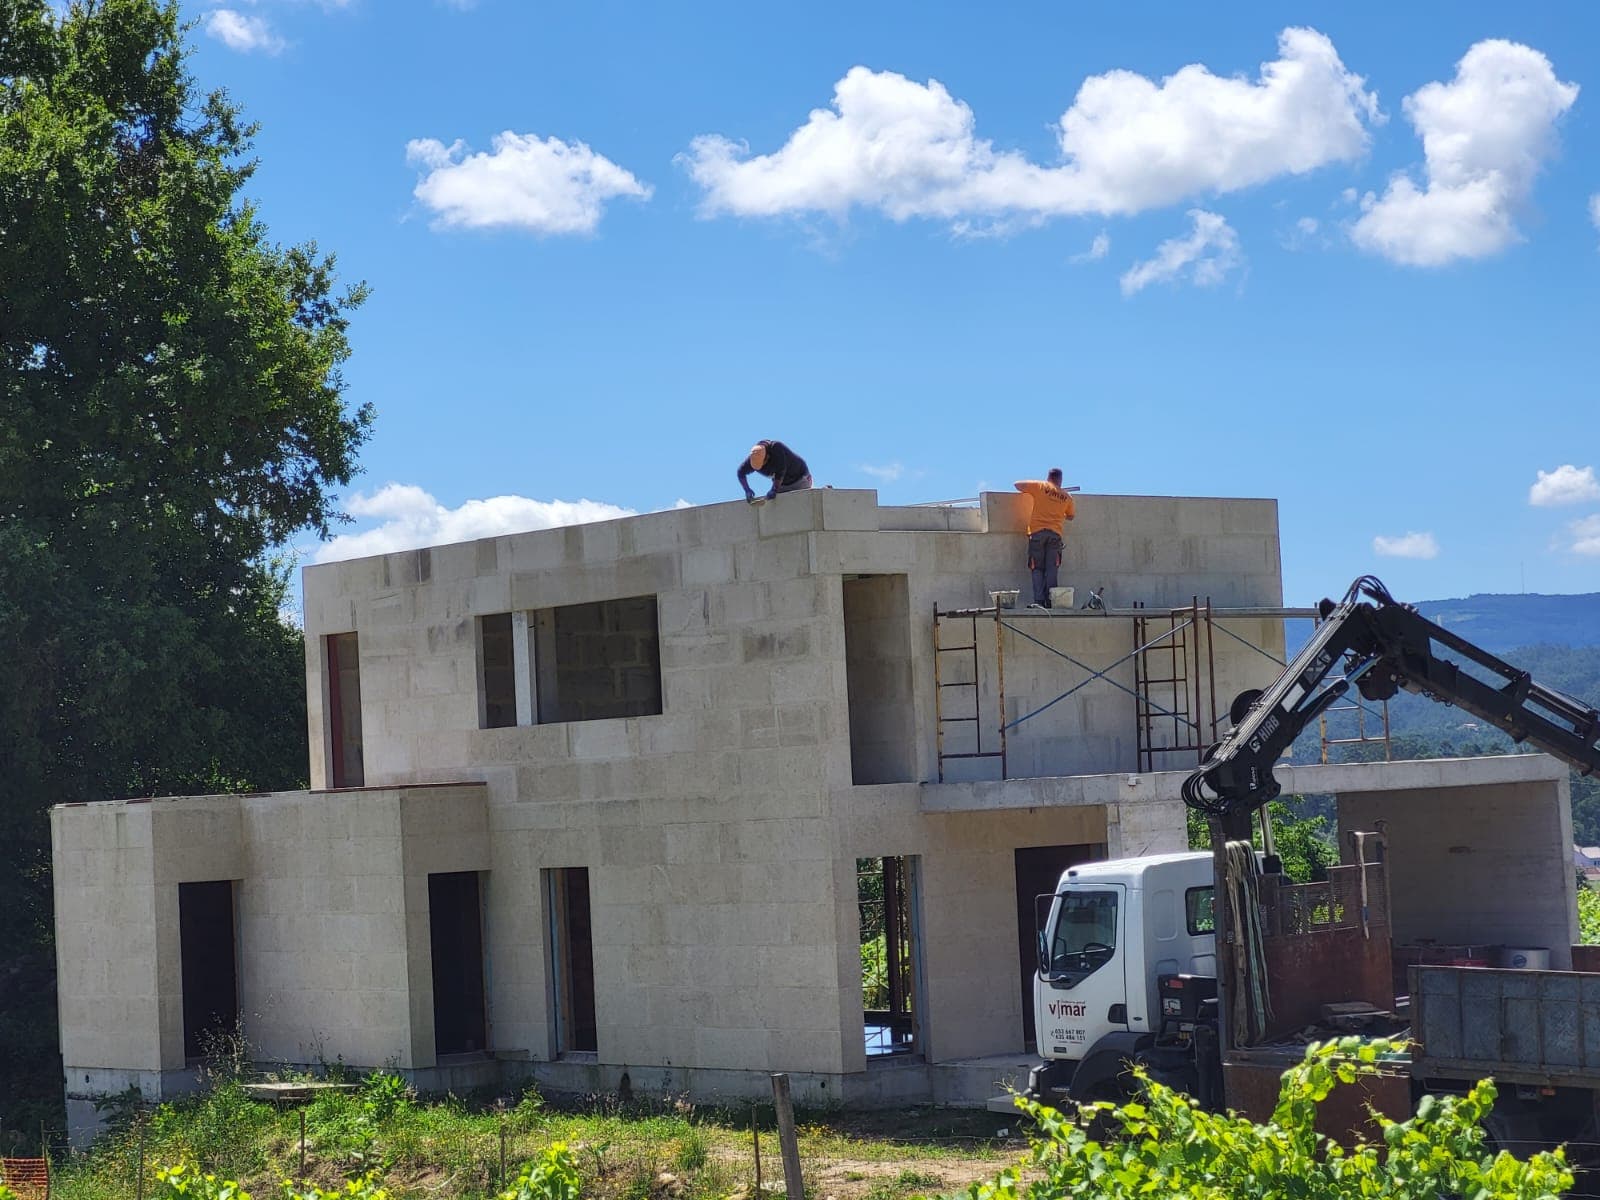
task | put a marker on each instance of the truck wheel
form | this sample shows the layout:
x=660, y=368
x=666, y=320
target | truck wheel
x=1513, y=1128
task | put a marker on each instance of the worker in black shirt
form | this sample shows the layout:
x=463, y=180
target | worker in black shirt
x=777, y=462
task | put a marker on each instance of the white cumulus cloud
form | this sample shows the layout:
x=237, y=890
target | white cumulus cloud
x=1567, y=484
x=542, y=185
x=1127, y=144
x=1205, y=256
x=1586, y=535
x=241, y=32
x=409, y=518
x=1407, y=545
x=883, y=472
x=1485, y=135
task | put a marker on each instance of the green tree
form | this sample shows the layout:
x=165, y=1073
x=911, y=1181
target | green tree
x=171, y=412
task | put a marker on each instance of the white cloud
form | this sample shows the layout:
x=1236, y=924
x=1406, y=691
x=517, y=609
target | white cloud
x=410, y=518
x=1206, y=255
x=885, y=472
x=1307, y=226
x=1127, y=144
x=1407, y=545
x=546, y=186
x=1567, y=484
x=1586, y=535
x=1098, y=249
x=1485, y=135
x=1594, y=209
x=243, y=33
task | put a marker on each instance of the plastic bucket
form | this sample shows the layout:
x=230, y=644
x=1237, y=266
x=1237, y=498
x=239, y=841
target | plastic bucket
x=1526, y=958
x=1061, y=597
x=1003, y=599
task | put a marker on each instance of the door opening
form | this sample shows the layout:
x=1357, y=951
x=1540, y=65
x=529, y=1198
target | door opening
x=455, y=928
x=572, y=960
x=208, y=957
x=890, y=962
x=1038, y=870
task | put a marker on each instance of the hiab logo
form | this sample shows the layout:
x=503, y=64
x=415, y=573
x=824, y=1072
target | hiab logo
x=1066, y=1008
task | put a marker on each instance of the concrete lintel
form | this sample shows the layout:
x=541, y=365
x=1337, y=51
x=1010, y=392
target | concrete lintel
x=1051, y=791
x=1319, y=778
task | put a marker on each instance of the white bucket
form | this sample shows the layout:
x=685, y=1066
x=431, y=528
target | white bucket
x=1526, y=958
x=1061, y=597
x=1003, y=599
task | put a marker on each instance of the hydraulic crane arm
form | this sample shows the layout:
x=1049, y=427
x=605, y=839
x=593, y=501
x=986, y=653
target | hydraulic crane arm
x=1380, y=646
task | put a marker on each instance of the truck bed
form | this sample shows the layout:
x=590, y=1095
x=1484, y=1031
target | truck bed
x=1540, y=1028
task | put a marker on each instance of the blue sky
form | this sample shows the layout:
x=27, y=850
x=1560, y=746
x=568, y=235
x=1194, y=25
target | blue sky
x=1342, y=255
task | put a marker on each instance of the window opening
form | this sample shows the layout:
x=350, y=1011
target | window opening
x=1199, y=905
x=600, y=660
x=497, y=671
x=344, y=710
x=877, y=654
x=572, y=960
x=455, y=929
x=1085, y=934
x=208, y=960
x=887, y=911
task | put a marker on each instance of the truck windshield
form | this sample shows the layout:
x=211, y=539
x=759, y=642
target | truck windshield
x=1085, y=934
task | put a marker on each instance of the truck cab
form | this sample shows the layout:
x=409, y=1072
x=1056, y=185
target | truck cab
x=1114, y=930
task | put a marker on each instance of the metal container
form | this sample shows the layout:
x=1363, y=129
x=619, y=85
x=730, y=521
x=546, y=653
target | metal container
x=1526, y=958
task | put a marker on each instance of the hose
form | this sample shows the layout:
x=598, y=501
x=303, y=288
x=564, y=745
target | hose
x=1252, y=1010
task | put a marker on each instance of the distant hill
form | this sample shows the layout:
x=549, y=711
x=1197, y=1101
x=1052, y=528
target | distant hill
x=1500, y=622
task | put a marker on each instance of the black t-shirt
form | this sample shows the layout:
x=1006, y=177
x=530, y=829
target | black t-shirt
x=783, y=465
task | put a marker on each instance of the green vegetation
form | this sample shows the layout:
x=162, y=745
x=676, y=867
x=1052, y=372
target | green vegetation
x=1588, y=915
x=381, y=1138
x=171, y=413
x=1164, y=1145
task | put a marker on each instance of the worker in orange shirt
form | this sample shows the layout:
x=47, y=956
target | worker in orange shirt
x=1052, y=508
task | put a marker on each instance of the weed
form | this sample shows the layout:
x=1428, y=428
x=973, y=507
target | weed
x=692, y=1151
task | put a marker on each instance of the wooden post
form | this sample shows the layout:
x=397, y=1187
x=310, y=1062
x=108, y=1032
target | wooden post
x=793, y=1183
x=139, y=1186
x=755, y=1136
x=502, y=1153
x=302, y=1147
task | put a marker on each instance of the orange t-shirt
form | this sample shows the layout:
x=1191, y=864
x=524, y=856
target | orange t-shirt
x=1052, y=507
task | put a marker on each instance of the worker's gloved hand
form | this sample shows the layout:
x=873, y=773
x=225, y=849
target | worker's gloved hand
x=755, y=499
x=770, y=494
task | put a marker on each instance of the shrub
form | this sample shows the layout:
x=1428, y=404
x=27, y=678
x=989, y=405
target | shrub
x=1170, y=1146
x=553, y=1177
x=6, y=1193
x=382, y=1095
x=366, y=1187
x=185, y=1181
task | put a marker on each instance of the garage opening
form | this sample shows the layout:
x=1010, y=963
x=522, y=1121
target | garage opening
x=572, y=961
x=890, y=958
x=455, y=929
x=208, y=957
x=1038, y=870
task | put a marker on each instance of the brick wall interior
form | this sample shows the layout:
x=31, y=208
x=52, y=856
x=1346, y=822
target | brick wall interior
x=607, y=660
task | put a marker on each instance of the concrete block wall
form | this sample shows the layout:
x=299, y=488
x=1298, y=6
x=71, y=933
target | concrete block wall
x=1470, y=861
x=752, y=743
x=331, y=911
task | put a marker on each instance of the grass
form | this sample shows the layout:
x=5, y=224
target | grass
x=451, y=1147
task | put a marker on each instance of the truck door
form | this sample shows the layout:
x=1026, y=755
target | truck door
x=1082, y=993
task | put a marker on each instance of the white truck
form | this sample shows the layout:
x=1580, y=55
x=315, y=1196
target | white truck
x=1129, y=960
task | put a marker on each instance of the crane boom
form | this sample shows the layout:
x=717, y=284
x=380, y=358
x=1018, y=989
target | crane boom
x=1371, y=641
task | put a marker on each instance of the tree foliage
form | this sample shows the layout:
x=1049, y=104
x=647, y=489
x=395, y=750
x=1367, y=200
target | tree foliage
x=1166, y=1145
x=171, y=412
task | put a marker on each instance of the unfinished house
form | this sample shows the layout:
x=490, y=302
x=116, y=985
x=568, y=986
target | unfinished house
x=693, y=796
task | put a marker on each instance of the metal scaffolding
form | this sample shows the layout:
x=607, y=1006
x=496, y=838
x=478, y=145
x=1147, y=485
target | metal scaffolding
x=1174, y=663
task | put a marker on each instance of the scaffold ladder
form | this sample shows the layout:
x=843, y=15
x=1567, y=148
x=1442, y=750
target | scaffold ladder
x=941, y=684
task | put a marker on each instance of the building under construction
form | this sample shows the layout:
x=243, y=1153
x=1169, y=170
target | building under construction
x=693, y=796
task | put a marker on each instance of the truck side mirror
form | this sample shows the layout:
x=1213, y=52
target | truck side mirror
x=1043, y=950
